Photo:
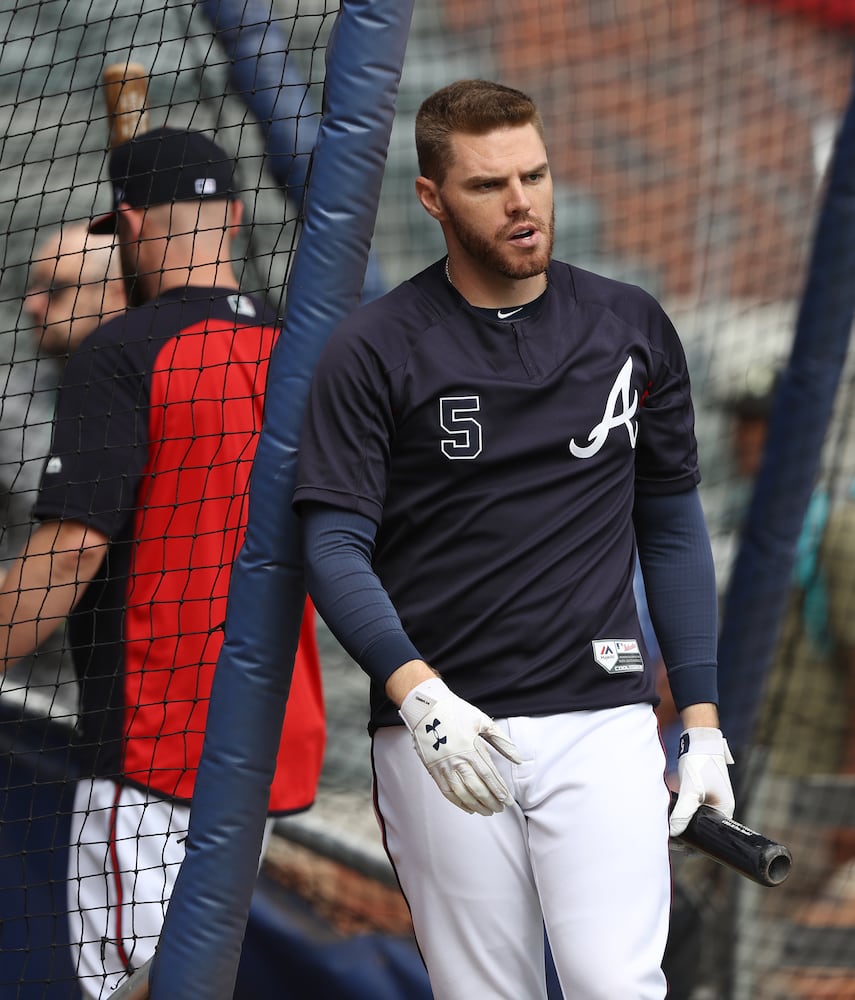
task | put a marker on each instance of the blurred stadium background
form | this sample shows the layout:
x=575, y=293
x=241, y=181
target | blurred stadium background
x=690, y=141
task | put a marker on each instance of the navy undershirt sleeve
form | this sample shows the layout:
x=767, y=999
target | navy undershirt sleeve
x=679, y=579
x=348, y=594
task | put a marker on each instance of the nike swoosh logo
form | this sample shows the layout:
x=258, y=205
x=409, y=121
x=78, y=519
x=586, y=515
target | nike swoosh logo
x=508, y=314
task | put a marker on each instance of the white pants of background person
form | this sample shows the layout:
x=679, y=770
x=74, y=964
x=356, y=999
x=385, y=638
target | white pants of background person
x=125, y=850
x=584, y=848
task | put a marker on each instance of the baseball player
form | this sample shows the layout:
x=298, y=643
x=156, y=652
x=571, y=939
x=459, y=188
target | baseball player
x=484, y=450
x=75, y=285
x=142, y=509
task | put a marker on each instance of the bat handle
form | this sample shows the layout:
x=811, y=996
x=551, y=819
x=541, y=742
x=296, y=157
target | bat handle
x=126, y=99
x=736, y=846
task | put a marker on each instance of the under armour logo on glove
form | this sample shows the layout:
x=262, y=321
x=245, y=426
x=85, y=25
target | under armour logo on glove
x=432, y=727
x=459, y=761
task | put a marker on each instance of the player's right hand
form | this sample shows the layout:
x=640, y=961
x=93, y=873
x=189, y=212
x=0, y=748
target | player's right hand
x=449, y=735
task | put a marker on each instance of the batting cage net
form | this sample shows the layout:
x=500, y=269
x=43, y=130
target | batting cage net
x=702, y=150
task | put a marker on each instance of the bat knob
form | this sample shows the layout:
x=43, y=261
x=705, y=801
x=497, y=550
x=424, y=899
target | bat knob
x=776, y=864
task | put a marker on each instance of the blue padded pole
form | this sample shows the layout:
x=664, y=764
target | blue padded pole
x=264, y=75
x=799, y=421
x=200, y=944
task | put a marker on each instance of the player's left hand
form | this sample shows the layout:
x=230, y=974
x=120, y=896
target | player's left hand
x=702, y=770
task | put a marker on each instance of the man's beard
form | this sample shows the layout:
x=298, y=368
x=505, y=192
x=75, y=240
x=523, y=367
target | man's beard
x=492, y=254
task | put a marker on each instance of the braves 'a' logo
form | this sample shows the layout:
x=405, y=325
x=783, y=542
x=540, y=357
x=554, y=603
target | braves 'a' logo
x=621, y=407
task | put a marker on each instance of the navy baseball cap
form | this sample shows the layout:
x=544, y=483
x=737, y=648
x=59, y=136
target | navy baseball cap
x=164, y=166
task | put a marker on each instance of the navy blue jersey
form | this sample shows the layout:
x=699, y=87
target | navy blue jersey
x=501, y=461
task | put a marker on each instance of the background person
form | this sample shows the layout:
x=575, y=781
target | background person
x=74, y=282
x=75, y=285
x=142, y=509
x=481, y=449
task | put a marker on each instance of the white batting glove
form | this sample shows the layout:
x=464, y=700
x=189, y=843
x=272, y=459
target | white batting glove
x=702, y=770
x=449, y=735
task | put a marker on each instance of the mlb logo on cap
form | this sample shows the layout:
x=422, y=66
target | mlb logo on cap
x=164, y=166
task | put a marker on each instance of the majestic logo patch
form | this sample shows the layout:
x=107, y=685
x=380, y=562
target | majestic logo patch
x=618, y=656
x=54, y=465
x=613, y=416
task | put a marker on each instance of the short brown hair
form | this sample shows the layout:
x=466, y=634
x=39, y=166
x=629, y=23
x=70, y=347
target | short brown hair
x=468, y=106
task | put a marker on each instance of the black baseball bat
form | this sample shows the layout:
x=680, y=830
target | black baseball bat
x=736, y=846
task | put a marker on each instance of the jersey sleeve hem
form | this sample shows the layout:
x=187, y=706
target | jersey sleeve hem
x=666, y=487
x=338, y=498
x=44, y=512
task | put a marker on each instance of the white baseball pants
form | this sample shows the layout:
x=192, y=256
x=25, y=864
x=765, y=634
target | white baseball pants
x=125, y=851
x=583, y=850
